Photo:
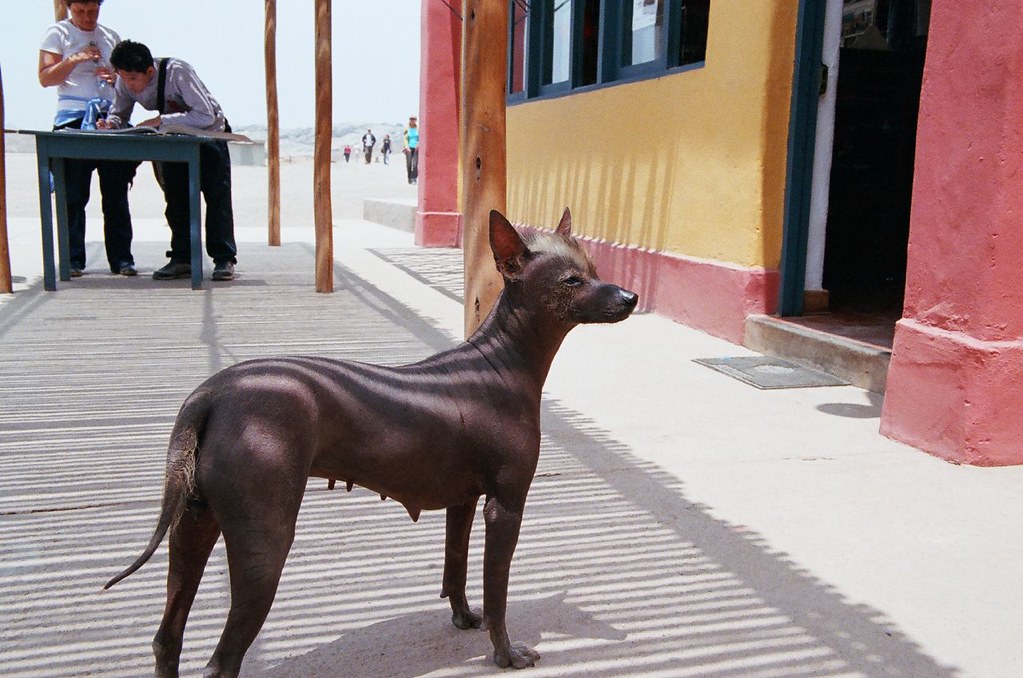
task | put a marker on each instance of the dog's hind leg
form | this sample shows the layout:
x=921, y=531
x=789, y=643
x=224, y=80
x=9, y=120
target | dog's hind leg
x=456, y=563
x=191, y=541
x=258, y=540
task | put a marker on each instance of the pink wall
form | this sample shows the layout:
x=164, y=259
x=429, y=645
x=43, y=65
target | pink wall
x=956, y=373
x=438, y=222
x=708, y=295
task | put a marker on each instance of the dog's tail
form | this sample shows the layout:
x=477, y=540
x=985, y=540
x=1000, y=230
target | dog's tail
x=179, y=480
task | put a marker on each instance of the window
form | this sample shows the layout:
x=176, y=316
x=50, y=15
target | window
x=519, y=23
x=559, y=45
x=589, y=43
x=643, y=32
x=886, y=24
x=557, y=42
x=695, y=21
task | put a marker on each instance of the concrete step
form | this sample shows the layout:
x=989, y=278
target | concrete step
x=397, y=213
x=862, y=364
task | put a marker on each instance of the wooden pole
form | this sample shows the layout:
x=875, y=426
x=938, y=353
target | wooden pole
x=59, y=10
x=5, y=253
x=321, y=153
x=273, y=127
x=484, y=167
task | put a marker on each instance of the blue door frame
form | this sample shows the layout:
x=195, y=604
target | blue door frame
x=806, y=90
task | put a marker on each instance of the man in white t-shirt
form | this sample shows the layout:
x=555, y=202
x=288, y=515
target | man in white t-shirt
x=74, y=58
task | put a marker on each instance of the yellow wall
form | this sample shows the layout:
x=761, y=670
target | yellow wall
x=691, y=163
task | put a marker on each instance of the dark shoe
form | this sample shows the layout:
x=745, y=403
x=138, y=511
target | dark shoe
x=173, y=271
x=77, y=272
x=128, y=270
x=223, y=271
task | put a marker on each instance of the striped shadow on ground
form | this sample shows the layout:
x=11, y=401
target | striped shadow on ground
x=617, y=573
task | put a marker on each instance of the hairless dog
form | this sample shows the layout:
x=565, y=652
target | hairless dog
x=437, y=434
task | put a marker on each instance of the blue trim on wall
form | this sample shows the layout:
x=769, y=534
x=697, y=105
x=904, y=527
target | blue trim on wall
x=548, y=93
x=802, y=137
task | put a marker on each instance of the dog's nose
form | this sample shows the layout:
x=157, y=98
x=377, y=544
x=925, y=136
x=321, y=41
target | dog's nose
x=629, y=299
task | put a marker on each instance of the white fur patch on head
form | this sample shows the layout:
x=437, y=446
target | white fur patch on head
x=551, y=243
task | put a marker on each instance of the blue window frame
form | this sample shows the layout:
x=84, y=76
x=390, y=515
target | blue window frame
x=557, y=46
x=517, y=40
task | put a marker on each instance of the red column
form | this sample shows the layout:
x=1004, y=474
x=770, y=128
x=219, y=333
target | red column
x=957, y=365
x=438, y=222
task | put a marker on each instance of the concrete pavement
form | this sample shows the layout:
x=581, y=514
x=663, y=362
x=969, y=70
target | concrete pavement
x=682, y=523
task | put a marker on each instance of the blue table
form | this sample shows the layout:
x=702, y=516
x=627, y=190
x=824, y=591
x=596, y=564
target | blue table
x=52, y=148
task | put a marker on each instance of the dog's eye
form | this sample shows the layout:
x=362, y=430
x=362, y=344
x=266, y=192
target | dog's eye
x=572, y=281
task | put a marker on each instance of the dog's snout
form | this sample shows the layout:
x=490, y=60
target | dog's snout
x=627, y=298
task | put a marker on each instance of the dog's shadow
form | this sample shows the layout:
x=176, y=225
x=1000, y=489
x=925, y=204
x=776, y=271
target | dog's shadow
x=420, y=643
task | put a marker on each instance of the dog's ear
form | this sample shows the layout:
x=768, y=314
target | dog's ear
x=565, y=225
x=509, y=250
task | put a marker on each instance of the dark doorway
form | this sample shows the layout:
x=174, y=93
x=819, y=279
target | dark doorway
x=880, y=71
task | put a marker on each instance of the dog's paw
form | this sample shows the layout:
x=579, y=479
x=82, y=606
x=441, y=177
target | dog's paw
x=469, y=619
x=516, y=656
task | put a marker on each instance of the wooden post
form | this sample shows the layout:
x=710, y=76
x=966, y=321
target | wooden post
x=5, y=253
x=484, y=170
x=273, y=127
x=59, y=10
x=321, y=153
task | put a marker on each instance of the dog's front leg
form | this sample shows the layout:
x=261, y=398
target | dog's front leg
x=456, y=562
x=502, y=523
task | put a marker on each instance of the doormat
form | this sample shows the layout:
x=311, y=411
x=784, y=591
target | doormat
x=766, y=372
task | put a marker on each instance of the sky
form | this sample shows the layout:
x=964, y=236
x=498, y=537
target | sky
x=375, y=56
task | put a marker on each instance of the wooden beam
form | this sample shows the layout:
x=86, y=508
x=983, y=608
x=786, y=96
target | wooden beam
x=484, y=167
x=321, y=153
x=59, y=10
x=273, y=127
x=5, y=251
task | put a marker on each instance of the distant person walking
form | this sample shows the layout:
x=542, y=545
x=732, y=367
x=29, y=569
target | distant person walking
x=75, y=58
x=348, y=152
x=410, y=147
x=368, y=142
x=385, y=147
